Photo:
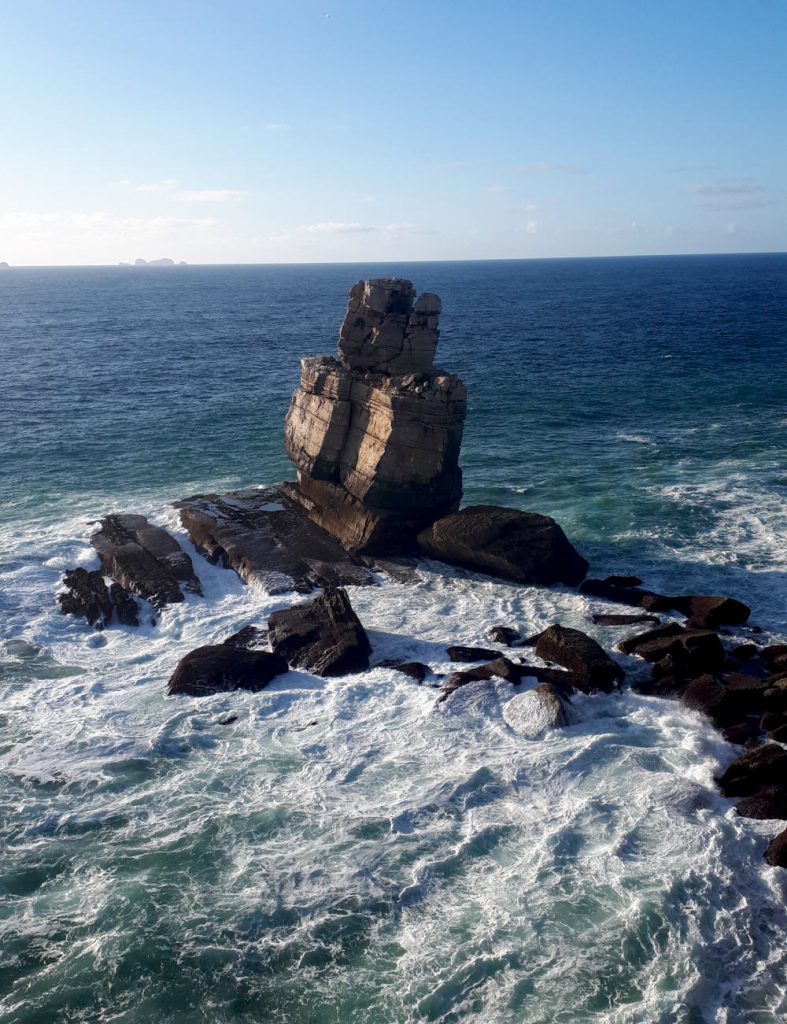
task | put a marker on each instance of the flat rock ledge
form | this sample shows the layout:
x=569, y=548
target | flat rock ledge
x=269, y=541
x=144, y=559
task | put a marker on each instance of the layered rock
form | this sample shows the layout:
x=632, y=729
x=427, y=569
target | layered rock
x=144, y=559
x=87, y=594
x=375, y=434
x=324, y=636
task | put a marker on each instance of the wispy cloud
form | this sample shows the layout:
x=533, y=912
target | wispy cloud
x=100, y=224
x=726, y=188
x=547, y=168
x=210, y=195
x=331, y=227
x=276, y=126
x=532, y=227
x=158, y=186
x=494, y=190
x=743, y=204
x=397, y=231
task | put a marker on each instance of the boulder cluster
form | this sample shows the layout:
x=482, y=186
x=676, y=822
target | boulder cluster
x=375, y=436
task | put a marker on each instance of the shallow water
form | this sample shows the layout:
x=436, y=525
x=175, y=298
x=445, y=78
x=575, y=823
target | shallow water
x=344, y=850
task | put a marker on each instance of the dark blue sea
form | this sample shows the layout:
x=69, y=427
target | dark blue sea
x=342, y=851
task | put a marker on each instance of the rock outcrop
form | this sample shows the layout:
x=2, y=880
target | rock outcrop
x=87, y=594
x=269, y=541
x=375, y=434
x=217, y=668
x=582, y=656
x=521, y=546
x=144, y=559
x=324, y=636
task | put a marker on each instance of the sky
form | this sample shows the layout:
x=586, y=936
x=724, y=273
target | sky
x=258, y=131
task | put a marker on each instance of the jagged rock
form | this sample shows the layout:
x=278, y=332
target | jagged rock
x=743, y=694
x=375, y=435
x=677, y=651
x=88, y=595
x=776, y=852
x=581, y=655
x=741, y=733
x=501, y=668
x=521, y=546
x=775, y=697
x=631, y=644
x=503, y=635
x=565, y=681
x=324, y=636
x=415, y=669
x=531, y=714
x=624, y=620
x=617, y=593
x=268, y=541
x=460, y=653
x=744, y=652
x=767, y=803
x=217, y=668
x=763, y=766
x=250, y=637
x=144, y=559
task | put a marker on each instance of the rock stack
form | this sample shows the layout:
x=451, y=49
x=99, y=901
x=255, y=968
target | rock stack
x=375, y=433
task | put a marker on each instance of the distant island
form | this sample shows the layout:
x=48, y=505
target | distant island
x=3, y=265
x=165, y=261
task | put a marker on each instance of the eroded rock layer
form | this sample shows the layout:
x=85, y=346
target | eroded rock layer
x=375, y=434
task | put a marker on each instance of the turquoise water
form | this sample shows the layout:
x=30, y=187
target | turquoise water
x=343, y=851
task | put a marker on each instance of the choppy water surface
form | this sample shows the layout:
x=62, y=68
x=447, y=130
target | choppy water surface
x=342, y=850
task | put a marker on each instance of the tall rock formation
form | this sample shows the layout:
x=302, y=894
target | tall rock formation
x=375, y=434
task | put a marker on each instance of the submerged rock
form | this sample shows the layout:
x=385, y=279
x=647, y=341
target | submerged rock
x=469, y=654
x=521, y=546
x=268, y=540
x=623, y=620
x=87, y=595
x=531, y=714
x=324, y=636
x=504, y=635
x=582, y=656
x=414, y=669
x=217, y=668
x=501, y=668
x=144, y=559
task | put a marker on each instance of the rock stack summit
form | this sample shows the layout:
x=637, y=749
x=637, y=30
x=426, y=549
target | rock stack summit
x=375, y=433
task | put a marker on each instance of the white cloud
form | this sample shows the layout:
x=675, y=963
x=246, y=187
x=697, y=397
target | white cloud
x=276, y=126
x=493, y=190
x=532, y=227
x=98, y=225
x=722, y=188
x=368, y=199
x=159, y=186
x=210, y=195
x=547, y=168
x=331, y=227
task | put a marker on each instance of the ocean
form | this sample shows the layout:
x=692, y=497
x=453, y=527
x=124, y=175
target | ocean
x=344, y=850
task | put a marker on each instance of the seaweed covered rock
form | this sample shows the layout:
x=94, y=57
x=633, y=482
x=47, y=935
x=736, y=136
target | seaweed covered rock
x=521, y=546
x=323, y=636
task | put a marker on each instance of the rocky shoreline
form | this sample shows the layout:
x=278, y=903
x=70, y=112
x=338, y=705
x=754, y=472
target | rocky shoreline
x=375, y=436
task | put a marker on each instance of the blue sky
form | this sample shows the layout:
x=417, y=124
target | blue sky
x=291, y=130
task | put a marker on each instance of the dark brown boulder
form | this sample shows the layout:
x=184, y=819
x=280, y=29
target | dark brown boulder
x=324, y=636
x=767, y=803
x=249, y=637
x=771, y=654
x=743, y=652
x=623, y=581
x=706, y=695
x=763, y=766
x=741, y=733
x=87, y=595
x=624, y=620
x=502, y=668
x=521, y=546
x=221, y=667
x=776, y=853
x=608, y=590
x=632, y=644
x=743, y=694
x=504, y=635
x=581, y=655
x=712, y=612
x=677, y=651
x=775, y=697
x=415, y=669
x=469, y=654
